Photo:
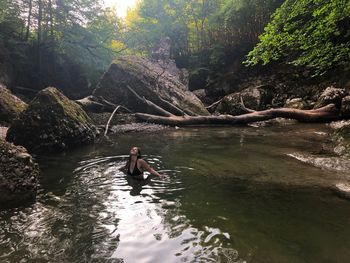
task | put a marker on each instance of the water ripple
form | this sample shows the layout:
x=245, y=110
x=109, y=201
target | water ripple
x=104, y=215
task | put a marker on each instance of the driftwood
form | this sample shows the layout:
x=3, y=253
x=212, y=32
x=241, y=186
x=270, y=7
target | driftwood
x=165, y=107
x=94, y=104
x=174, y=109
x=212, y=107
x=149, y=105
x=324, y=114
x=99, y=104
x=110, y=118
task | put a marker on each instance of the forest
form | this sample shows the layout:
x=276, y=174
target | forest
x=70, y=43
x=176, y=131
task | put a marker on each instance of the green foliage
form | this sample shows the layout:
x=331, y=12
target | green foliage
x=312, y=33
x=46, y=37
x=204, y=33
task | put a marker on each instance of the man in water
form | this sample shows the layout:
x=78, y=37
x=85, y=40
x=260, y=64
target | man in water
x=135, y=166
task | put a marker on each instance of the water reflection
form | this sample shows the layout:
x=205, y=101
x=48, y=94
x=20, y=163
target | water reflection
x=232, y=195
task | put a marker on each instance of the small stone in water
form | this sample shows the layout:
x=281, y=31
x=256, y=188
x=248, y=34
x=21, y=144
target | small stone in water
x=342, y=189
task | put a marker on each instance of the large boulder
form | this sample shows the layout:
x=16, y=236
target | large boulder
x=149, y=79
x=10, y=106
x=18, y=174
x=256, y=98
x=331, y=95
x=52, y=122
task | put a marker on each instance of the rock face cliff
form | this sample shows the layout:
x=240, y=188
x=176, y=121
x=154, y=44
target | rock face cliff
x=151, y=79
x=52, y=122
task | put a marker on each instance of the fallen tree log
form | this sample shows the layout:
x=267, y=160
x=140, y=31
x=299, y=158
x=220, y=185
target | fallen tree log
x=324, y=114
x=99, y=105
x=149, y=105
x=94, y=104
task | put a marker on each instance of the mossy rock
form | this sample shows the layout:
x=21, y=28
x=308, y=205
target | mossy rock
x=149, y=80
x=331, y=95
x=52, y=122
x=256, y=98
x=10, y=106
x=18, y=174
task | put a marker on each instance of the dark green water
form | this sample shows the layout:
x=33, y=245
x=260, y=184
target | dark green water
x=232, y=195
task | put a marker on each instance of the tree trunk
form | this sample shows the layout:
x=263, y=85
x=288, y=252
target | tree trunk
x=28, y=20
x=324, y=114
x=51, y=20
x=40, y=17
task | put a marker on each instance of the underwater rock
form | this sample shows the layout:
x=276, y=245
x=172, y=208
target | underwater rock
x=341, y=137
x=10, y=106
x=327, y=163
x=52, y=122
x=150, y=80
x=256, y=98
x=342, y=190
x=18, y=173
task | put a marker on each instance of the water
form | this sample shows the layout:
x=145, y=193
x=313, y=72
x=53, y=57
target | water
x=231, y=195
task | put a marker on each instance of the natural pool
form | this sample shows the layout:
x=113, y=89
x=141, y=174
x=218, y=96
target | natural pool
x=233, y=194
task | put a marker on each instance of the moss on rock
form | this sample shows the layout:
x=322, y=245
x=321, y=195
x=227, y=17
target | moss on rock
x=149, y=80
x=256, y=98
x=10, y=106
x=52, y=122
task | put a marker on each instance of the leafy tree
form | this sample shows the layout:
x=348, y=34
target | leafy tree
x=54, y=36
x=203, y=32
x=312, y=33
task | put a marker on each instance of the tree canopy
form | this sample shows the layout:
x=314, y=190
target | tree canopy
x=48, y=37
x=51, y=42
x=312, y=33
x=206, y=31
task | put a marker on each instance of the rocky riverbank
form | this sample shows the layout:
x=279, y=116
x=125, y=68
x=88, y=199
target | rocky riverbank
x=18, y=174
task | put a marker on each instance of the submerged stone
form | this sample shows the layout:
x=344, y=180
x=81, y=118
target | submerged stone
x=342, y=190
x=18, y=174
x=341, y=137
x=10, y=106
x=52, y=122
